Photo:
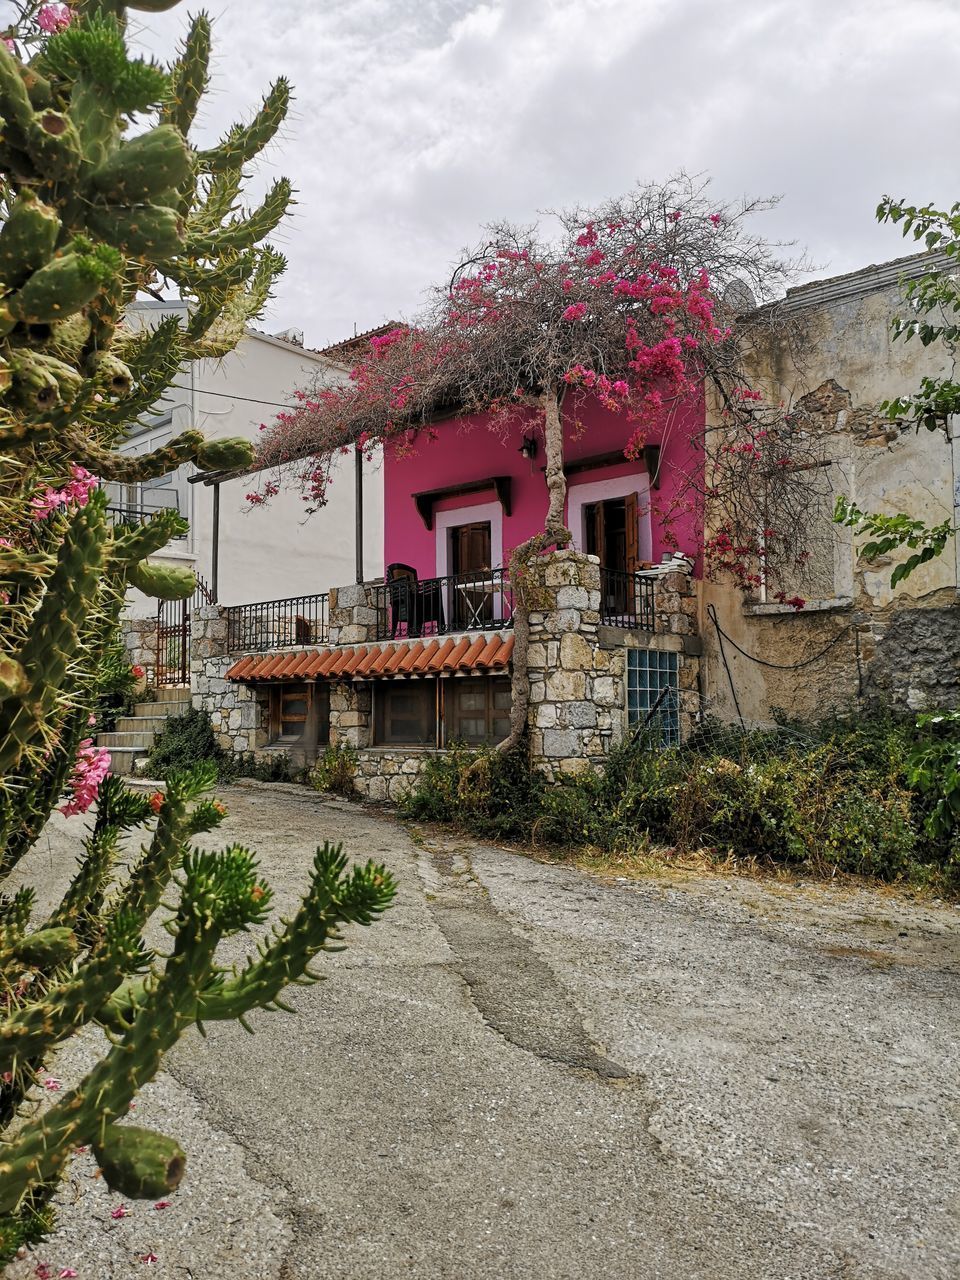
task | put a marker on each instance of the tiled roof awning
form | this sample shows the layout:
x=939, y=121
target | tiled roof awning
x=453, y=656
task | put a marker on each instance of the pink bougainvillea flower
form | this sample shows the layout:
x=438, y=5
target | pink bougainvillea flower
x=67, y=1273
x=137, y=671
x=42, y=1271
x=53, y=18
x=576, y=311
x=162, y=1204
x=716, y=219
x=9, y=43
x=121, y=1211
x=52, y=1085
x=149, y=1257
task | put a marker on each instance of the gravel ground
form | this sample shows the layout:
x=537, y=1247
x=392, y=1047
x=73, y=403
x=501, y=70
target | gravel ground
x=525, y=1071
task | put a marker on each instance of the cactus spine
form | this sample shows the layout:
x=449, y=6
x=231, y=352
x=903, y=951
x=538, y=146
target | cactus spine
x=91, y=212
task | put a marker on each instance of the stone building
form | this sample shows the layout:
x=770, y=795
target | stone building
x=629, y=638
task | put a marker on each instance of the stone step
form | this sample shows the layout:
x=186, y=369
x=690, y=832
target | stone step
x=123, y=759
x=138, y=740
x=164, y=709
x=172, y=693
x=140, y=724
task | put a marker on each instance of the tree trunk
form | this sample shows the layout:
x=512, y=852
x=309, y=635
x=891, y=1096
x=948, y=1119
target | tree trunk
x=526, y=592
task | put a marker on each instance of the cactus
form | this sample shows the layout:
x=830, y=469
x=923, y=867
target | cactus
x=88, y=219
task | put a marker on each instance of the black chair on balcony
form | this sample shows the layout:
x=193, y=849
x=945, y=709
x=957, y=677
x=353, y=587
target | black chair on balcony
x=413, y=604
x=402, y=598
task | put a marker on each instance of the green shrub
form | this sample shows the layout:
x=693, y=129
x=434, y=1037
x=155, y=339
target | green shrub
x=494, y=794
x=838, y=795
x=335, y=770
x=185, y=741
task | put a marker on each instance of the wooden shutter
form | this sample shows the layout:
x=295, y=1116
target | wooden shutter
x=633, y=533
x=632, y=528
x=599, y=531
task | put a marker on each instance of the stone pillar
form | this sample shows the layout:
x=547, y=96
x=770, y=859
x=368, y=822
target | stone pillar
x=238, y=713
x=140, y=639
x=350, y=708
x=573, y=682
x=353, y=613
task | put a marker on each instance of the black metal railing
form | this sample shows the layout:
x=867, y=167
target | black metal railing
x=627, y=599
x=134, y=515
x=278, y=624
x=481, y=600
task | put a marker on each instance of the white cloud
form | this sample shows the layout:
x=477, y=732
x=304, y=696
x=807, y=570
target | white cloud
x=418, y=120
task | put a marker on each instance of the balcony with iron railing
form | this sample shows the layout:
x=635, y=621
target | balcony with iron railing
x=628, y=599
x=136, y=515
x=408, y=607
x=278, y=624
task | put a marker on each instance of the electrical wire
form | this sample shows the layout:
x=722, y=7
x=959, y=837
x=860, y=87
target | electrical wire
x=226, y=395
x=777, y=666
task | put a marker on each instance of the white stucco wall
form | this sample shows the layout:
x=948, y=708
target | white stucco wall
x=274, y=551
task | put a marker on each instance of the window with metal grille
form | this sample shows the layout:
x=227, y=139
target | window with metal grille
x=653, y=693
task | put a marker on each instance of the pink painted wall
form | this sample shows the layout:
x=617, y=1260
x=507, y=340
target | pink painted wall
x=466, y=449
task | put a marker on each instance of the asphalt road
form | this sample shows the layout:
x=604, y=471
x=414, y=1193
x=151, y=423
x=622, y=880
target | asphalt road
x=523, y=1071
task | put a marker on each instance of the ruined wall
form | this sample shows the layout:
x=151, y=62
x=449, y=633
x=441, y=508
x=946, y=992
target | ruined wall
x=882, y=645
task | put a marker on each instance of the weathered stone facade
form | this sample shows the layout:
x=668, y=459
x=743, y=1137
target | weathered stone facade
x=858, y=641
x=353, y=613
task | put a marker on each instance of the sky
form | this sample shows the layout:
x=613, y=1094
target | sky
x=417, y=121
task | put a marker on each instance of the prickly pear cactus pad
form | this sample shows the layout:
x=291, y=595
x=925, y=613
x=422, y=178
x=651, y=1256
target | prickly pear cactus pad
x=104, y=196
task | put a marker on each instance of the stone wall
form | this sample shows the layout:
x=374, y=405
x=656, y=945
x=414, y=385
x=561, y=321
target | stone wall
x=387, y=773
x=239, y=714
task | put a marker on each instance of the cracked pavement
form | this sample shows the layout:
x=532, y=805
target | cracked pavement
x=524, y=1071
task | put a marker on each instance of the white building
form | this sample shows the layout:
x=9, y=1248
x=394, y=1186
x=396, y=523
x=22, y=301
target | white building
x=241, y=552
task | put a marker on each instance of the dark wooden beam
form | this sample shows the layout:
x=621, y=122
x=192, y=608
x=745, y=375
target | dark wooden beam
x=427, y=500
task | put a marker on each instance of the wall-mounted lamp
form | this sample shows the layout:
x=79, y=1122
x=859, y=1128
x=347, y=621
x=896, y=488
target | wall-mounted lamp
x=529, y=447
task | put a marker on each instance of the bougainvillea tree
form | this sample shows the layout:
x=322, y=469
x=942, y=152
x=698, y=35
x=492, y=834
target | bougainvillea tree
x=102, y=197
x=621, y=303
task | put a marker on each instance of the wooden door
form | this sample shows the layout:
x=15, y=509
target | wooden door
x=471, y=547
x=472, y=605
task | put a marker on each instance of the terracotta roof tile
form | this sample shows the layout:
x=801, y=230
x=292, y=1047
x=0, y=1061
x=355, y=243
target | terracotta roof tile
x=456, y=655
x=466, y=655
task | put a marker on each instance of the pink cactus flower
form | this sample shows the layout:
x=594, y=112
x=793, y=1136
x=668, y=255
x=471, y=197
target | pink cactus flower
x=91, y=767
